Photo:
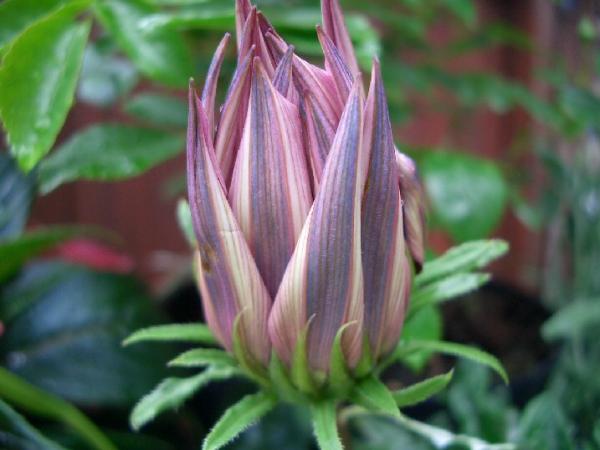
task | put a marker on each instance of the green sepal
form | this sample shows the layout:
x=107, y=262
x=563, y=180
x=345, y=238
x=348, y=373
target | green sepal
x=281, y=382
x=365, y=364
x=340, y=379
x=238, y=418
x=253, y=369
x=422, y=390
x=200, y=357
x=300, y=372
x=373, y=395
x=324, y=419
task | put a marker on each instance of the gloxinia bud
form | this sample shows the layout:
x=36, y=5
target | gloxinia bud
x=303, y=210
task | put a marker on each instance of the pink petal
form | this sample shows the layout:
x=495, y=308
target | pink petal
x=242, y=11
x=385, y=266
x=270, y=191
x=324, y=278
x=336, y=65
x=335, y=27
x=229, y=280
x=209, y=92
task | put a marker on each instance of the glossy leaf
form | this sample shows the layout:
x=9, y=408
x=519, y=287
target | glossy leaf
x=372, y=394
x=157, y=109
x=237, y=418
x=172, y=392
x=17, y=433
x=34, y=400
x=184, y=332
x=38, y=78
x=16, y=196
x=159, y=54
x=454, y=349
x=462, y=258
x=468, y=195
x=107, y=152
x=421, y=391
x=201, y=357
x=324, y=420
x=64, y=327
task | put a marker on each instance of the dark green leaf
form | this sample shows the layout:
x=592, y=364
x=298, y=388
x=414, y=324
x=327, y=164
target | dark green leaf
x=201, y=357
x=373, y=395
x=34, y=400
x=64, y=327
x=159, y=54
x=174, y=332
x=16, y=195
x=468, y=195
x=462, y=258
x=159, y=110
x=38, y=78
x=422, y=390
x=452, y=348
x=324, y=418
x=173, y=392
x=17, y=15
x=16, y=433
x=237, y=418
x=107, y=152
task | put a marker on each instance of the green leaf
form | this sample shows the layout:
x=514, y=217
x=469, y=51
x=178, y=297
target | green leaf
x=38, y=78
x=17, y=433
x=17, y=15
x=16, y=196
x=63, y=330
x=462, y=258
x=425, y=324
x=373, y=395
x=446, y=289
x=200, y=357
x=159, y=110
x=184, y=219
x=300, y=371
x=422, y=390
x=572, y=320
x=237, y=418
x=159, y=54
x=183, y=332
x=468, y=195
x=210, y=17
x=17, y=251
x=172, y=392
x=34, y=400
x=451, y=348
x=339, y=377
x=325, y=425
x=107, y=152
x=544, y=425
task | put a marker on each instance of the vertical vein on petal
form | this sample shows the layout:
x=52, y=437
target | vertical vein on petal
x=209, y=92
x=335, y=27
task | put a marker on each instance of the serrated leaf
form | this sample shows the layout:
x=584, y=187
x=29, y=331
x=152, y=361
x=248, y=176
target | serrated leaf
x=184, y=219
x=38, y=78
x=572, y=320
x=373, y=395
x=17, y=251
x=324, y=420
x=157, y=109
x=107, y=152
x=159, y=54
x=462, y=258
x=16, y=196
x=237, y=418
x=173, y=392
x=176, y=332
x=445, y=289
x=201, y=357
x=422, y=390
x=454, y=349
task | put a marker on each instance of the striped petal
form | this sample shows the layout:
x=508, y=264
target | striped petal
x=242, y=11
x=233, y=116
x=282, y=80
x=209, y=92
x=229, y=281
x=319, y=131
x=335, y=27
x=323, y=281
x=386, y=271
x=252, y=37
x=335, y=64
x=270, y=191
x=414, y=207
